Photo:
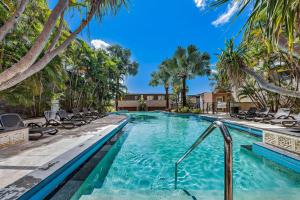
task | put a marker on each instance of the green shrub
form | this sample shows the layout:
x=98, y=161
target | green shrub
x=196, y=111
x=184, y=110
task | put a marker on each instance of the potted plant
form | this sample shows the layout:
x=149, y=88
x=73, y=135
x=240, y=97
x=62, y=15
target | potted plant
x=55, y=101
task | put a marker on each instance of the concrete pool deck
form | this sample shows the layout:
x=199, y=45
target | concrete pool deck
x=19, y=160
x=255, y=125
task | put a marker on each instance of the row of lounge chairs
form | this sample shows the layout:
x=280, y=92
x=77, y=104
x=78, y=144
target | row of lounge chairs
x=282, y=116
x=13, y=121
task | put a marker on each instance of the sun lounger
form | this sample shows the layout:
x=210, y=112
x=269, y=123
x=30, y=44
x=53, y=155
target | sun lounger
x=282, y=113
x=261, y=113
x=63, y=116
x=95, y=112
x=250, y=113
x=13, y=121
x=87, y=113
x=52, y=120
x=287, y=122
x=78, y=115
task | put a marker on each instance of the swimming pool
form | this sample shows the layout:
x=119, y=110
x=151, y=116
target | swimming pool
x=144, y=157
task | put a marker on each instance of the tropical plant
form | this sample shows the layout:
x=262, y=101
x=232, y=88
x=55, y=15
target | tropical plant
x=190, y=62
x=33, y=60
x=281, y=20
x=124, y=67
x=163, y=77
x=81, y=75
x=237, y=64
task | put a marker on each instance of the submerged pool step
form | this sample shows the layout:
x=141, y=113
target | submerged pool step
x=274, y=194
x=101, y=194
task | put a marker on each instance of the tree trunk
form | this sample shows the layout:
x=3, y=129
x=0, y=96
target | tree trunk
x=183, y=91
x=167, y=97
x=41, y=63
x=177, y=99
x=9, y=24
x=38, y=46
x=58, y=33
x=269, y=86
x=117, y=96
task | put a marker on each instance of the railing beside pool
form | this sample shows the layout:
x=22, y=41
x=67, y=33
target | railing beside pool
x=228, y=193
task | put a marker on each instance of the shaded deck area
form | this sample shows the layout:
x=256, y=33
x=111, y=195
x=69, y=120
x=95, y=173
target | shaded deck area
x=19, y=160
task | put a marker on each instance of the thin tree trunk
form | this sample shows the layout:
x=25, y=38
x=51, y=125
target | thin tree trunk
x=93, y=93
x=167, y=97
x=58, y=33
x=40, y=64
x=269, y=86
x=117, y=96
x=177, y=99
x=80, y=95
x=9, y=24
x=183, y=93
x=1, y=56
x=38, y=46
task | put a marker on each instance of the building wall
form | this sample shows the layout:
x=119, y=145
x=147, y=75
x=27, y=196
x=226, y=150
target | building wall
x=208, y=97
x=130, y=102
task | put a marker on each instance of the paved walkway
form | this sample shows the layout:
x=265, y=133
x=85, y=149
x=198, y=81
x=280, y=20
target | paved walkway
x=18, y=160
x=258, y=125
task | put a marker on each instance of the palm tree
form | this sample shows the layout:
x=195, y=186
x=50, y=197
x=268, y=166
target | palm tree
x=163, y=77
x=282, y=20
x=124, y=68
x=33, y=61
x=235, y=62
x=190, y=62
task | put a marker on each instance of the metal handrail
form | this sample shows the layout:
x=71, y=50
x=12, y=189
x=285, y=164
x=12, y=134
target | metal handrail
x=227, y=158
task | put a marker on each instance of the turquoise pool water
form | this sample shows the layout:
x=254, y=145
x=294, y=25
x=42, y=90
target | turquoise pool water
x=143, y=167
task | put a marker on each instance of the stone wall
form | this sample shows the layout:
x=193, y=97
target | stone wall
x=8, y=138
x=286, y=142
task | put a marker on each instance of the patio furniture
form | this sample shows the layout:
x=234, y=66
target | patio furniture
x=78, y=115
x=282, y=113
x=51, y=120
x=250, y=113
x=287, y=122
x=88, y=113
x=261, y=113
x=13, y=121
x=63, y=116
x=96, y=112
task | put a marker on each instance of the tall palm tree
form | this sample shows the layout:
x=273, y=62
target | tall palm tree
x=163, y=77
x=190, y=62
x=124, y=67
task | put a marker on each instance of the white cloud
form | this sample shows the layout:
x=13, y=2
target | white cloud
x=224, y=18
x=200, y=4
x=213, y=71
x=100, y=44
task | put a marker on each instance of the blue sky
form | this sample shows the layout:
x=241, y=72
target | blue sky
x=153, y=29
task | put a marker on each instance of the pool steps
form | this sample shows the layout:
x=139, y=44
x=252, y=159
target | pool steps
x=119, y=194
x=279, y=156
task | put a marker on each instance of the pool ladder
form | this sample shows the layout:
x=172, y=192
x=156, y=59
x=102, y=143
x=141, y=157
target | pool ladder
x=228, y=193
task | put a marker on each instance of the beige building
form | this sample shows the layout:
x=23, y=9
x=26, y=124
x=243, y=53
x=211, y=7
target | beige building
x=133, y=102
x=222, y=101
x=217, y=100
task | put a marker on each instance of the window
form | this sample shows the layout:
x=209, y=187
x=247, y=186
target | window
x=219, y=99
x=160, y=97
x=136, y=97
x=149, y=98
